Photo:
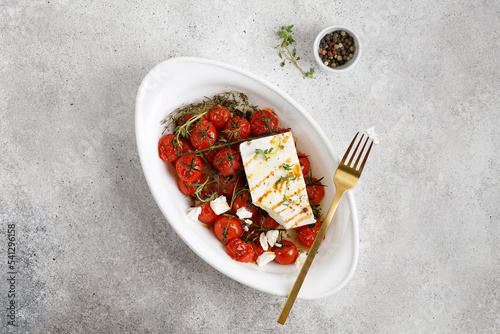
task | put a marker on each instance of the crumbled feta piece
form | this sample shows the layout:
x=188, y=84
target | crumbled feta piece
x=299, y=262
x=263, y=241
x=248, y=221
x=243, y=213
x=194, y=213
x=245, y=228
x=272, y=236
x=265, y=258
x=373, y=136
x=219, y=205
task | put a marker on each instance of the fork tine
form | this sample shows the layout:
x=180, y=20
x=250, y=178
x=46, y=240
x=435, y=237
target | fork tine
x=361, y=152
x=354, y=153
x=342, y=162
x=366, y=158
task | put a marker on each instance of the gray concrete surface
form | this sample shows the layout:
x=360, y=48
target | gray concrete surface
x=95, y=255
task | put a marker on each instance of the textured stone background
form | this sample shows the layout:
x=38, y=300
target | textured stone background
x=97, y=256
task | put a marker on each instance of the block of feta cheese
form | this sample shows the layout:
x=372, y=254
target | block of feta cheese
x=275, y=179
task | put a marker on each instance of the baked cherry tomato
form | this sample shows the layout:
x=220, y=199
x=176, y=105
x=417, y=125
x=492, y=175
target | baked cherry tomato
x=207, y=215
x=307, y=234
x=224, y=185
x=187, y=147
x=244, y=200
x=227, y=228
x=257, y=249
x=227, y=161
x=269, y=222
x=184, y=118
x=237, y=128
x=168, y=147
x=189, y=189
x=241, y=201
x=315, y=191
x=219, y=116
x=283, y=130
x=203, y=135
x=240, y=251
x=263, y=121
x=305, y=166
x=252, y=234
x=286, y=254
x=188, y=168
x=210, y=155
x=258, y=218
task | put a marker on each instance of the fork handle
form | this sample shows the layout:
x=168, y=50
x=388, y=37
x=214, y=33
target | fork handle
x=310, y=257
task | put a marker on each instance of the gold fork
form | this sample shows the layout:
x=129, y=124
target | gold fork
x=346, y=177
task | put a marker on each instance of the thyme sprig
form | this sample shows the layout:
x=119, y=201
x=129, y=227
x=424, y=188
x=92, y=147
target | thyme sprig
x=287, y=40
x=224, y=144
x=237, y=103
x=289, y=177
x=264, y=153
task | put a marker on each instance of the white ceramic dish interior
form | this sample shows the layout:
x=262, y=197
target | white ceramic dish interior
x=180, y=81
x=347, y=66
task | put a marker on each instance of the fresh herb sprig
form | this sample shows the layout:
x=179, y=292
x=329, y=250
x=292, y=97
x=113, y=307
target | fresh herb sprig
x=263, y=153
x=286, y=40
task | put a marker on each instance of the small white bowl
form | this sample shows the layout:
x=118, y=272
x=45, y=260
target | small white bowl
x=346, y=66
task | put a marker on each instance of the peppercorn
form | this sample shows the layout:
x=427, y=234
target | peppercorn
x=336, y=48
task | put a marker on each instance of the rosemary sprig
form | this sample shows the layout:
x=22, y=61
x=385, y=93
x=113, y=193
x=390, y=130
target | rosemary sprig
x=287, y=40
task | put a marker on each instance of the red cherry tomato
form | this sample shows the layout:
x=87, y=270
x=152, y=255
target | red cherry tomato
x=307, y=234
x=240, y=251
x=227, y=228
x=189, y=189
x=187, y=147
x=207, y=215
x=237, y=128
x=252, y=234
x=286, y=254
x=258, y=219
x=227, y=161
x=184, y=118
x=283, y=130
x=210, y=155
x=244, y=200
x=189, y=168
x=305, y=166
x=241, y=201
x=269, y=222
x=203, y=135
x=168, y=147
x=227, y=184
x=219, y=116
x=315, y=191
x=263, y=121
x=257, y=249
